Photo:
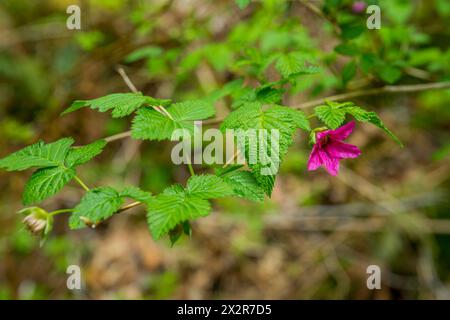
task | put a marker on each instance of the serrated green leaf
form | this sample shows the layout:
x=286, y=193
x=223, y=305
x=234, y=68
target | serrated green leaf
x=289, y=64
x=252, y=116
x=208, y=187
x=369, y=116
x=96, y=205
x=243, y=183
x=152, y=125
x=166, y=211
x=136, y=194
x=293, y=64
x=332, y=116
x=38, y=155
x=45, y=183
x=78, y=156
x=298, y=117
x=121, y=104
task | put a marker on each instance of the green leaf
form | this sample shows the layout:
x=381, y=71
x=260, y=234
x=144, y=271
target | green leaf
x=96, y=205
x=389, y=74
x=78, y=156
x=293, y=64
x=45, y=183
x=166, y=211
x=121, y=104
x=371, y=117
x=242, y=3
x=299, y=117
x=264, y=151
x=136, y=194
x=38, y=155
x=243, y=183
x=349, y=71
x=352, y=30
x=332, y=115
x=143, y=53
x=347, y=49
x=208, y=187
x=152, y=125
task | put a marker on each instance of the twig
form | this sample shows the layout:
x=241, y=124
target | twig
x=375, y=91
x=127, y=80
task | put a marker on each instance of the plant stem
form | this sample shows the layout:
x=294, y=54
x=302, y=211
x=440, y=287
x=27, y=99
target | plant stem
x=131, y=205
x=375, y=91
x=54, y=213
x=127, y=80
x=85, y=187
x=191, y=169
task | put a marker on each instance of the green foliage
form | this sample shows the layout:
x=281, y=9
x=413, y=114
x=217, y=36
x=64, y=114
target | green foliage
x=253, y=116
x=57, y=162
x=46, y=182
x=269, y=47
x=333, y=115
x=172, y=207
x=38, y=155
x=100, y=203
x=78, y=156
x=153, y=125
x=96, y=205
x=242, y=182
x=293, y=64
x=208, y=187
x=121, y=104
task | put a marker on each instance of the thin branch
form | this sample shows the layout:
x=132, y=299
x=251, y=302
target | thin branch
x=127, y=80
x=375, y=91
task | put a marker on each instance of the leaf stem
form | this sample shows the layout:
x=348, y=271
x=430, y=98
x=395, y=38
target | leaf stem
x=54, y=213
x=131, y=205
x=85, y=187
x=191, y=169
x=127, y=80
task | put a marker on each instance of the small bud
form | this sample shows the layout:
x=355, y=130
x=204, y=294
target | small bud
x=359, y=6
x=36, y=219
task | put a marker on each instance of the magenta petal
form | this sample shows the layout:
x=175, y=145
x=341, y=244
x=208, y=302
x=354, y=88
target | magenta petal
x=342, y=150
x=314, y=159
x=343, y=132
x=331, y=164
x=322, y=134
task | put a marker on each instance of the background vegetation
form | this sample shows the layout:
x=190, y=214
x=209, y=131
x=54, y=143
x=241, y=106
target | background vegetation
x=317, y=235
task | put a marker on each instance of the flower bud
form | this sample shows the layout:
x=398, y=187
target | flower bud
x=36, y=219
x=358, y=6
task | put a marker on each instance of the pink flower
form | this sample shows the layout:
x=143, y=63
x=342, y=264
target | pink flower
x=358, y=6
x=329, y=149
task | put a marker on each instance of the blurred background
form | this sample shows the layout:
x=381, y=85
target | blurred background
x=318, y=234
